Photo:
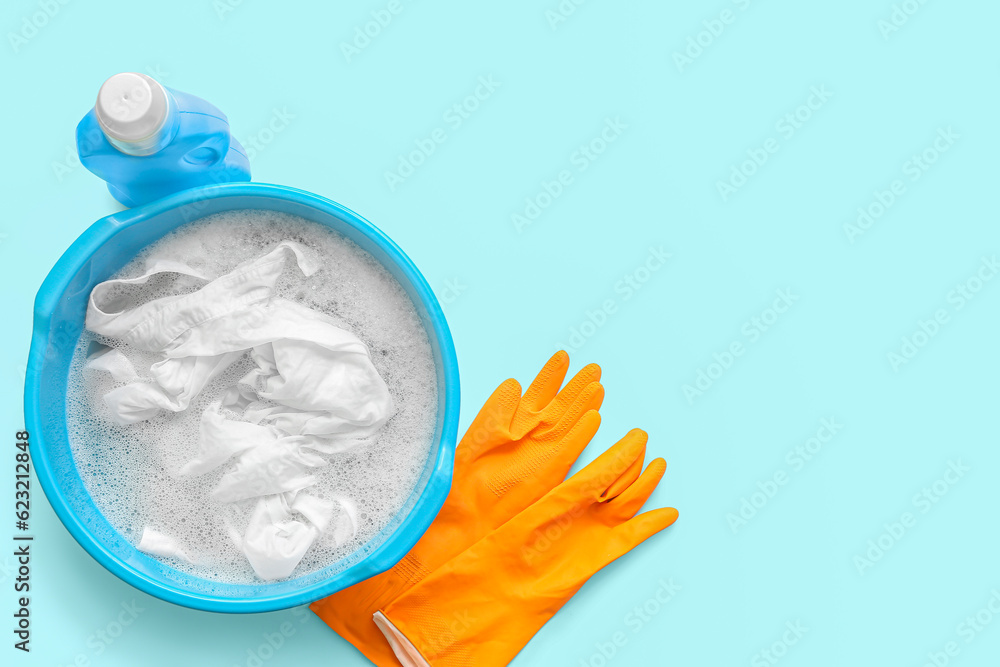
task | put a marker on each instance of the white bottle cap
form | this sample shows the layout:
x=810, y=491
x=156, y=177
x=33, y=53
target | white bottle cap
x=133, y=111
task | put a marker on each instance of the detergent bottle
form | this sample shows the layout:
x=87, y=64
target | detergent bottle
x=148, y=141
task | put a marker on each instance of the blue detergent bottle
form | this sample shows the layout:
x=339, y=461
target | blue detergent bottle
x=148, y=141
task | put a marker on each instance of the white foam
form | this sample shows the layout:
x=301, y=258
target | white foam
x=132, y=471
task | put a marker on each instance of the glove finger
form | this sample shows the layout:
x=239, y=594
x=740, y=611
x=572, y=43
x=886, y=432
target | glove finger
x=567, y=397
x=636, y=530
x=492, y=425
x=572, y=444
x=595, y=479
x=537, y=468
x=546, y=384
x=626, y=479
x=634, y=497
x=529, y=415
x=591, y=398
x=548, y=456
x=627, y=536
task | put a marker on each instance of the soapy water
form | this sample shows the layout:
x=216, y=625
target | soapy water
x=131, y=471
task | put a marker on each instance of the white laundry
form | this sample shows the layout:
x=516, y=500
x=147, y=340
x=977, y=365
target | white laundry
x=269, y=461
x=313, y=390
x=276, y=467
x=321, y=376
x=107, y=311
x=275, y=541
x=316, y=510
x=178, y=381
x=156, y=543
x=112, y=361
x=154, y=325
x=221, y=438
x=143, y=458
x=347, y=527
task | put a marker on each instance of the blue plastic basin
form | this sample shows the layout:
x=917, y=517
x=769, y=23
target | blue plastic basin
x=60, y=308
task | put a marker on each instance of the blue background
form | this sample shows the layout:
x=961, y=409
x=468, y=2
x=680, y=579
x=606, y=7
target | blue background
x=514, y=293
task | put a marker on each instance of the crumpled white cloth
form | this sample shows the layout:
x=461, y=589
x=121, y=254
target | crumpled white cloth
x=154, y=325
x=104, y=358
x=275, y=541
x=174, y=387
x=156, y=543
x=313, y=390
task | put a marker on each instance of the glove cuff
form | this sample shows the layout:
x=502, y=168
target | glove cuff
x=405, y=651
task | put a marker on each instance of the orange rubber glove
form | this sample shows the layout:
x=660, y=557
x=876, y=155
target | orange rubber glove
x=516, y=450
x=483, y=606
